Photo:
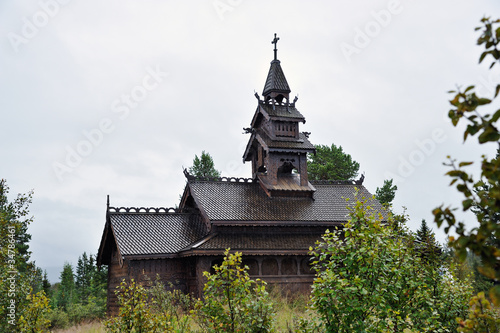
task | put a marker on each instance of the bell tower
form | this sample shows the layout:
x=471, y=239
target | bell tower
x=276, y=148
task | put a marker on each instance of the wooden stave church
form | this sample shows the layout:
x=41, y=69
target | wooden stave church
x=272, y=218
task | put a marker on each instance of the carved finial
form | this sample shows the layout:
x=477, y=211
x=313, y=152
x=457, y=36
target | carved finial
x=257, y=95
x=275, y=42
x=188, y=176
x=360, y=180
x=247, y=130
x=307, y=134
x=107, y=203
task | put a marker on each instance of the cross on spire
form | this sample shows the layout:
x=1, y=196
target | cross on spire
x=275, y=42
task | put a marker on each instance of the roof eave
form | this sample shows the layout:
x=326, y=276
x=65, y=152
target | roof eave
x=253, y=252
x=247, y=149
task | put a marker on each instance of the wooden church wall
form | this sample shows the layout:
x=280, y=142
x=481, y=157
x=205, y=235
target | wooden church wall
x=291, y=274
x=175, y=272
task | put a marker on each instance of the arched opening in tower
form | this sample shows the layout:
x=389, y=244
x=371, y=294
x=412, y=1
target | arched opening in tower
x=287, y=168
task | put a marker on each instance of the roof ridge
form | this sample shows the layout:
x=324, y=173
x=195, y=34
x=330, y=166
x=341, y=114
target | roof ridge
x=224, y=179
x=145, y=210
x=336, y=182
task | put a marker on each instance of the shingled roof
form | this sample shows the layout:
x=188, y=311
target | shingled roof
x=153, y=233
x=159, y=233
x=281, y=111
x=156, y=234
x=276, y=81
x=302, y=143
x=256, y=243
x=247, y=203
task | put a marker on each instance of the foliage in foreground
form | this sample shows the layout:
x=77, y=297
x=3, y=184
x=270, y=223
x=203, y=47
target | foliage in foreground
x=371, y=279
x=23, y=302
x=482, y=316
x=483, y=195
x=232, y=301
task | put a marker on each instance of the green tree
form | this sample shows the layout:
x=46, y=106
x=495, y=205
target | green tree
x=83, y=277
x=369, y=278
x=483, y=195
x=386, y=193
x=204, y=167
x=331, y=163
x=46, y=284
x=232, y=301
x=15, y=218
x=426, y=244
x=424, y=234
x=66, y=292
x=17, y=273
x=99, y=285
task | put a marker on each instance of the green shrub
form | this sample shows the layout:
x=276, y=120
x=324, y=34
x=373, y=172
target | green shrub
x=483, y=317
x=91, y=311
x=34, y=317
x=369, y=278
x=58, y=319
x=233, y=302
x=135, y=315
x=171, y=305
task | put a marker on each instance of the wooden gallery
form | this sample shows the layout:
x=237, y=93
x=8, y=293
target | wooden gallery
x=272, y=218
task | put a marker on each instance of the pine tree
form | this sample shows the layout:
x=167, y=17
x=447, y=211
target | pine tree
x=83, y=278
x=424, y=233
x=66, y=292
x=386, y=193
x=46, y=284
x=426, y=243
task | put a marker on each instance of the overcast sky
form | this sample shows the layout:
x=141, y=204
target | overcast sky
x=116, y=97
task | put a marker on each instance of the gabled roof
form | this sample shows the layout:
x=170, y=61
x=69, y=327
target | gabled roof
x=153, y=233
x=276, y=81
x=245, y=203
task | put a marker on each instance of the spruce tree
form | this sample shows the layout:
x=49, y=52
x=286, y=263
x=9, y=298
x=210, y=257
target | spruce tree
x=386, y=193
x=66, y=292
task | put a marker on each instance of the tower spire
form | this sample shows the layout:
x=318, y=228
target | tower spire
x=275, y=42
x=276, y=87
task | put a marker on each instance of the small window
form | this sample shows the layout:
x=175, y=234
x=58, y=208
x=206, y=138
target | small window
x=286, y=129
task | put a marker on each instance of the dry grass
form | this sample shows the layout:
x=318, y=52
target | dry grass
x=288, y=311
x=94, y=327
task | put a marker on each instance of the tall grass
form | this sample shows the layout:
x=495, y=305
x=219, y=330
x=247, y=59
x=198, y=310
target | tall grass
x=94, y=327
x=289, y=309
